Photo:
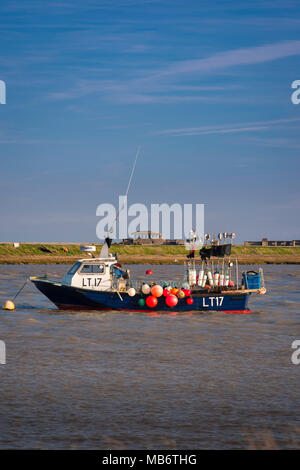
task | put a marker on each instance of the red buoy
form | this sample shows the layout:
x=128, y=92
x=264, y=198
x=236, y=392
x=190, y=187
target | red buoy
x=151, y=301
x=189, y=301
x=187, y=292
x=171, y=300
x=148, y=271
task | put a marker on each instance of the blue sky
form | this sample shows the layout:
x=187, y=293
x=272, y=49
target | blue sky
x=203, y=86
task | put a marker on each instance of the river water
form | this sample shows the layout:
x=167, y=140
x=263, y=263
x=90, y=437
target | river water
x=132, y=380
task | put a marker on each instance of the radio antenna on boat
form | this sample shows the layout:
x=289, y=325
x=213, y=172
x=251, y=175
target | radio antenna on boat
x=128, y=186
x=132, y=171
x=105, y=247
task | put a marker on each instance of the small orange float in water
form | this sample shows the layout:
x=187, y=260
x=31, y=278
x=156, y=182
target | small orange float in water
x=9, y=305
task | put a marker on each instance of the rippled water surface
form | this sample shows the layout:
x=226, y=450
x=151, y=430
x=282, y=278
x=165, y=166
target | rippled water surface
x=132, y=380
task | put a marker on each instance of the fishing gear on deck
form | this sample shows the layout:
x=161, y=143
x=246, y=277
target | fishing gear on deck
x=219, y=251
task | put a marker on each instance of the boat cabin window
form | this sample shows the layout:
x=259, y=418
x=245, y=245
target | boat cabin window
x=74, y=268
x=92, y=269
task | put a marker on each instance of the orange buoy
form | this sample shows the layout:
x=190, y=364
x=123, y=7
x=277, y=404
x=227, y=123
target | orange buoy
x=8, y=305
x=157, y=291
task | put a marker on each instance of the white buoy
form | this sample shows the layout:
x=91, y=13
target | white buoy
x=210, y=278
x=216, y=279
x=131, y=292
x=200, y=277
x=192, y=277
x=204, y=280
x=8, y=305
x=221, y=282
x=145, y=289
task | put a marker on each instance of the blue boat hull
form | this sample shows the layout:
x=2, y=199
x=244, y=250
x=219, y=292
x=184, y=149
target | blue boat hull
x=73, y=298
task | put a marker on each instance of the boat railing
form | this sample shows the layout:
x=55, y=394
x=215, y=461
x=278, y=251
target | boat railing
x=217, y=272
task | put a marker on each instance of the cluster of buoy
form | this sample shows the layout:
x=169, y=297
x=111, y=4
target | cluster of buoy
x=209, y=279
x=171, y=294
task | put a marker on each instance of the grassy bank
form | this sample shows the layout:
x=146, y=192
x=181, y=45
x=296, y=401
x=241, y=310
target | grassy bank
x=68, y=253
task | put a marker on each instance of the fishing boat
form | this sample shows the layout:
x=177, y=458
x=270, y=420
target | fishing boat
x=208, y=283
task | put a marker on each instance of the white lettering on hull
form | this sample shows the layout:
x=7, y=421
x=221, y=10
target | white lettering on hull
x=212, y=302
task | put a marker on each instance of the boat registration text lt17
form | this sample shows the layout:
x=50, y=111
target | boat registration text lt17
x=212, y=301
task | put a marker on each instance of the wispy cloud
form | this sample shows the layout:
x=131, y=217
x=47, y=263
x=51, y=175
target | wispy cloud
x=227, y=128
x=276, y=142
x=137, y=91
x=149, y=86
x=245, y=56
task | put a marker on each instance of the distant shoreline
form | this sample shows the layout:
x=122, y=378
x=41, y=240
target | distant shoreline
x=68, y=253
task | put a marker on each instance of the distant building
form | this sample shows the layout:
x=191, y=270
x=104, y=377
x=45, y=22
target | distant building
x=266, y=242
x=146, y=237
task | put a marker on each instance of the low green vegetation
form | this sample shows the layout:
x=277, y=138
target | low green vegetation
x=163, y=250
x=39, y=249
x=265, y=250
x=131, y=250
x=63, y=253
